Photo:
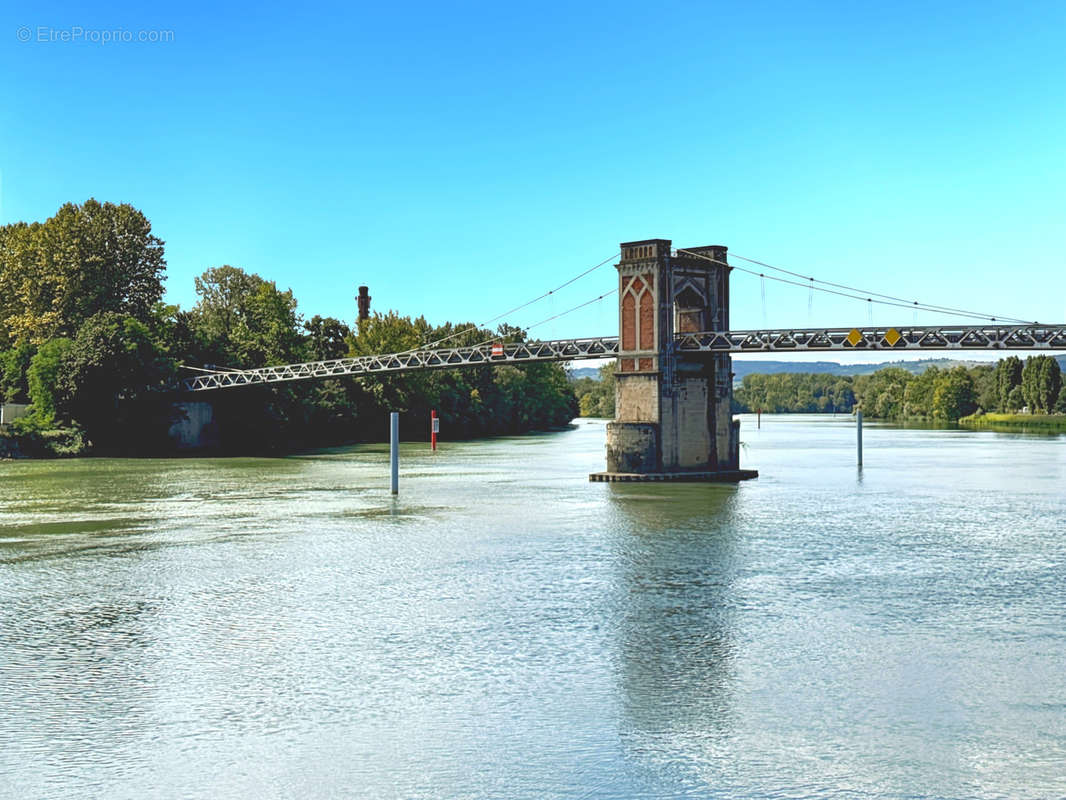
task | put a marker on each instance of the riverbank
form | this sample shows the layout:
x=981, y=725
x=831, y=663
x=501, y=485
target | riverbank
x=61, y=443
x=1042, y=422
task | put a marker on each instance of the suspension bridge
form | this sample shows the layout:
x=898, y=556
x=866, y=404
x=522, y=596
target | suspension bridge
x=674, y=348
x=939, y=337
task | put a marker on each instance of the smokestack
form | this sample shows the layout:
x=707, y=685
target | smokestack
x=364, y=303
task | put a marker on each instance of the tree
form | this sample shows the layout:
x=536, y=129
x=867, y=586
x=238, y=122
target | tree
x=85, y=260
x=1060, y=403
x=881, y=394
x=109, y=382
x=954, y=395
x=224, y=293
x=1015, y=400
x=918, y=394
x=1051, y=383
x=43, y=377
x=247, y=320
x=798, y=392
x=596, y=397
x=1008, y=376
x=1041, y=382
x=269, y=333
x=14, y=366
x=391, y=333
x=984, y=379
x=886, y=406
x=327, y=338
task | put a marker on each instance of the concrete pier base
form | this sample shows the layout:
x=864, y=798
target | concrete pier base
x=722, y=476
x=197, y=428
x=632, y=447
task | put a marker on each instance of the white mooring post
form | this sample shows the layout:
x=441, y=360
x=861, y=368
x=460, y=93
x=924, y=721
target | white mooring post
x=394, y=450
x=858, y=432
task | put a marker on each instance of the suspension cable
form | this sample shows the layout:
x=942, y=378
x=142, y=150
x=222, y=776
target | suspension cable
x=209, y=371
x=554, y=316
x=549, y=293
x=926, y=306
x=898, y=302
x=575, y=308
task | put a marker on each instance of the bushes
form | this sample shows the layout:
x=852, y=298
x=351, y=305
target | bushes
x=23, y=441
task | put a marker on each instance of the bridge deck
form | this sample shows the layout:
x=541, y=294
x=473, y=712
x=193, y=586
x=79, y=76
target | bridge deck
x=912, y=337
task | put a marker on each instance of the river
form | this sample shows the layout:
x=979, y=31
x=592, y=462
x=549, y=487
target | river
x=234, y=628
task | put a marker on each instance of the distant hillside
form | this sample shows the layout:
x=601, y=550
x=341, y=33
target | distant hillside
x=585, y=372
x=742, y=368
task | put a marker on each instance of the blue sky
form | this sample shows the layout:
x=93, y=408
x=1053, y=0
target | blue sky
x=462, y=158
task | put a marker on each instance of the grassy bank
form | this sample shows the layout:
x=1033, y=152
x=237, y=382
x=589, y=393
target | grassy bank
x=1042, y=422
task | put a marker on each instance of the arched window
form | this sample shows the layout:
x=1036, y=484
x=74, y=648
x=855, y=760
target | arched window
x=689, y=308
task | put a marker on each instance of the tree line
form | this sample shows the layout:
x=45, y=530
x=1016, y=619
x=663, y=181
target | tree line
x=86, y=340
x=1009, y=386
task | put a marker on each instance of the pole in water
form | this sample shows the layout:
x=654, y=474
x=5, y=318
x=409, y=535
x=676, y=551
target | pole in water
x=758, y=419
x=858, y=431
x=434, y=426
x=394, y=450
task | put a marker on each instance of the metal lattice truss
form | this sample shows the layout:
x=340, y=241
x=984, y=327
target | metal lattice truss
x=482, y=355
x=976, y=337
x=965, y=337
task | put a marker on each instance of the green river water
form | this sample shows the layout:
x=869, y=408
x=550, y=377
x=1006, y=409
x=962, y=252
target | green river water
x=276, y=628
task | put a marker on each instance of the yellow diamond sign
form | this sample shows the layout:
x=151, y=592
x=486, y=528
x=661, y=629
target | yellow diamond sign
x=854, y=337
x=892, y=336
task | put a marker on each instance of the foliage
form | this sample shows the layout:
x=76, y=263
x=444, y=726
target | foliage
x=919, y=393
x=1041, y=382
x=984, y=381
x=327, y=338
x=596, y=397
x=1060, y=403
x=85, y=260
x=14, y=366
x=1015, y=400
x=110, y=381
x=249, y=321
x=894, y=393
x=43, y=383
x=1008, y=377
x=25, y=441
x=954, y=395
x=795, y=392
x=881, y=394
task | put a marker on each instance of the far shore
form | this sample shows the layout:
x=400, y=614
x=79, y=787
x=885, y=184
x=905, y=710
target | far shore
x=1042, y=422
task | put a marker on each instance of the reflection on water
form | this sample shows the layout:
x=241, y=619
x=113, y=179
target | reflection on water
x=674, y=635
x=675, y=622
x=283, y=627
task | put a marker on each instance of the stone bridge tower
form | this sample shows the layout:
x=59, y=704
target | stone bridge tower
x=673, y=416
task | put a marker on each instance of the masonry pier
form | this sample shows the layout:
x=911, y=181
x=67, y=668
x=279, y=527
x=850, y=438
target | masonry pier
x=673, y=409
